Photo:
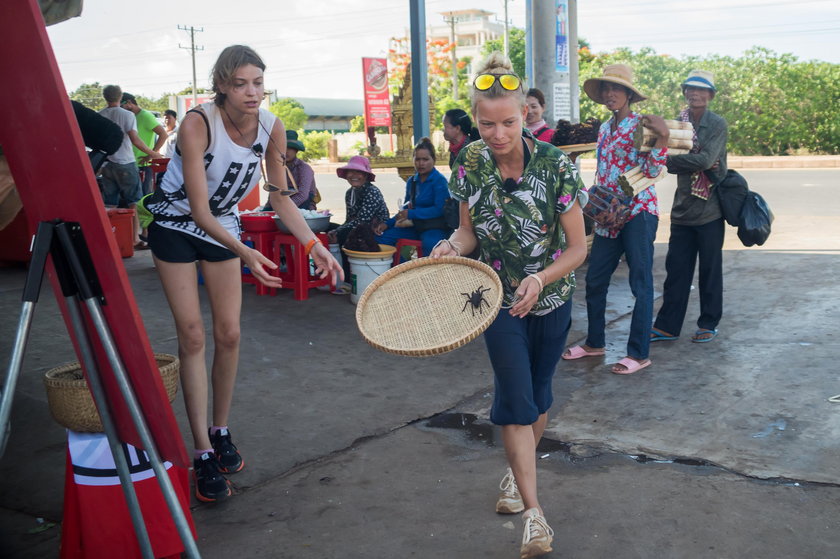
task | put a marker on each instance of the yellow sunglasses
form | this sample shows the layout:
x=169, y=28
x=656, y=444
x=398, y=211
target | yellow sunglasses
x=483, y=82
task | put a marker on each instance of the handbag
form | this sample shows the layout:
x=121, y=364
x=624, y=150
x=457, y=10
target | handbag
x=608, y=208
x=731, y=193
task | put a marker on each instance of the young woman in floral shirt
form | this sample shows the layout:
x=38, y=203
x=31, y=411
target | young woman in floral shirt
x=519, y=206
x=616, y=154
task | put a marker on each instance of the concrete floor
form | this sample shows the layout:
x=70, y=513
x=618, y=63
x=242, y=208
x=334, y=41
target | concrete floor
x=723, y=450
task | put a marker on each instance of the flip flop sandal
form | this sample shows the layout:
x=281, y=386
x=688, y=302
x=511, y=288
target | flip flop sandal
x=576, y=352
x=701, y=332
x=658, y=337
x=630, y=366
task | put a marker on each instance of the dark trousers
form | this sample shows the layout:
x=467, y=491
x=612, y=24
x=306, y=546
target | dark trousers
x=635, y=241
x=687, y=245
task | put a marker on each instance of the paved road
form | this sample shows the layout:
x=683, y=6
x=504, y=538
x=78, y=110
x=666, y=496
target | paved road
x=363, y=454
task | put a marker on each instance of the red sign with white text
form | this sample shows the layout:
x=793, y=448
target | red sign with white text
x=377, y=99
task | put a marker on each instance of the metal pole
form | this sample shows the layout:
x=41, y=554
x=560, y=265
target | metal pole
x=15, y=365
x=506, y=28
x=529, y=43
x=452, y=21
x=419, y=70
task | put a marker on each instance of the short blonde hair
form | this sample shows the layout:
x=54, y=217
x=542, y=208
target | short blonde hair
x=497, y=64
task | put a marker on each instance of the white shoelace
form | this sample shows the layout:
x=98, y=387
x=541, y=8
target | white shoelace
x=535, y=527
x=508, y=485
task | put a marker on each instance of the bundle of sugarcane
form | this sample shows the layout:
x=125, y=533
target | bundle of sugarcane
x=680, y=138
x=634, y=181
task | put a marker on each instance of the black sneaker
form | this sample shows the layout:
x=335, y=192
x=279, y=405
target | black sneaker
x=228, y=457
x=210, y=484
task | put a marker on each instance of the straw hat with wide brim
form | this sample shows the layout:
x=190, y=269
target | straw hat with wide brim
x=622, y=74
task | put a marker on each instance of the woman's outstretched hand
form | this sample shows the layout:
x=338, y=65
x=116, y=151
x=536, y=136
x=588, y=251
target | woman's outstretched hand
x=325, y=264
x=258, y=263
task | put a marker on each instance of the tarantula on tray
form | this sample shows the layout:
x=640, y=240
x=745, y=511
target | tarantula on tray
x=476, y=299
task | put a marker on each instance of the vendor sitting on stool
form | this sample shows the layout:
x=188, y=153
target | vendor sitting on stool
x=302, y=174
x=422, y=216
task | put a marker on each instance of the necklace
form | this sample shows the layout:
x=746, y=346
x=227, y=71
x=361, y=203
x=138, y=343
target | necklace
x=241, y=135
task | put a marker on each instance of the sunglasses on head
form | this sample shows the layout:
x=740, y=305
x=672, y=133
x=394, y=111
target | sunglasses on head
x=483, y=82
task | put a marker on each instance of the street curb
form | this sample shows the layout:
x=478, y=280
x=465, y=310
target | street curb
x=734, y=162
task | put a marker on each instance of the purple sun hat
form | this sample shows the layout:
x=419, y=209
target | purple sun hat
x=356, y=163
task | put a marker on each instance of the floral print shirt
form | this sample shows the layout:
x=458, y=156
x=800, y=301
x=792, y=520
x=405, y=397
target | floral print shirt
x=519, y=233
x=617, y=154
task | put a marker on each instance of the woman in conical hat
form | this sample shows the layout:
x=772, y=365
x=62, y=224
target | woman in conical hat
x=616, y=155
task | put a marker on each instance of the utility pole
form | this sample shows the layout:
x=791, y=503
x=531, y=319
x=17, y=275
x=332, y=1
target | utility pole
x=419, y=69
x=506, y=28
x=450, y=18
x=553, y=55
x=192, y=48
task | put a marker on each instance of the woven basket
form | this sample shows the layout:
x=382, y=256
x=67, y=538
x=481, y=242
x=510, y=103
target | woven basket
x=421, y=308
x=71, y=403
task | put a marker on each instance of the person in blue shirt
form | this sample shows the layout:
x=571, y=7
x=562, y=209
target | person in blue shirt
x=421, y=218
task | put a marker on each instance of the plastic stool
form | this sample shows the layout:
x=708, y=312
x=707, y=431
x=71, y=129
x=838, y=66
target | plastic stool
x=296, y=276
x=407, y=243
x=263, y=241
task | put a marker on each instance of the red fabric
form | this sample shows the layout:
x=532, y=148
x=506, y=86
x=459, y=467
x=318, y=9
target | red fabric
x=97, y=525
x=544, y=134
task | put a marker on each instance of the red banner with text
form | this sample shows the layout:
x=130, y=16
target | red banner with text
x=377, y=100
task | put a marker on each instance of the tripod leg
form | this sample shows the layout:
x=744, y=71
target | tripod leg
x=110, y=430
x=31, y=290
x=92, y=301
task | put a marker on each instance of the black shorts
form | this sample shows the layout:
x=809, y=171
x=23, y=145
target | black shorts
x=170, y=245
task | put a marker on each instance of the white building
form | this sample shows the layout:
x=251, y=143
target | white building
x=473, y=28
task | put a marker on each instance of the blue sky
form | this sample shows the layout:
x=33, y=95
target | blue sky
x=313, y=48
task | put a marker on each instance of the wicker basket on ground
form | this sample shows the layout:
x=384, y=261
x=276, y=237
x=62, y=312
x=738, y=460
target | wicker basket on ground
x=71, y=403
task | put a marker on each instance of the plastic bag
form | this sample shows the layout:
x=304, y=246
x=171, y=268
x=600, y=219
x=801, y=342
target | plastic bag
x=755, y=220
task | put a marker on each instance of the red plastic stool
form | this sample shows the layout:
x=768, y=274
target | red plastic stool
x=297, y=276
x=407, y=243
x=263, y=241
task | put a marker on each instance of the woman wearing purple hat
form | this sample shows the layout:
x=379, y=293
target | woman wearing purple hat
x=364, y=201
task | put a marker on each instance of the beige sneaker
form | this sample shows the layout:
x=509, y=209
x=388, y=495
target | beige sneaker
x=536, y=540
x=510, y=501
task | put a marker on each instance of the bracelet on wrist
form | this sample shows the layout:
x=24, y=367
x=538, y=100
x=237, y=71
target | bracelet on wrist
x=311, y=244
x=539, y=280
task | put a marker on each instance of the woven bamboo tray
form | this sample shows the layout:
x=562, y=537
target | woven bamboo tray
x=422, y=307
x=71, y=403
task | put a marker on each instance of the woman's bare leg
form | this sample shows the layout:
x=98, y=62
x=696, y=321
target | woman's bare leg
x=180, y=285
x=224, y=289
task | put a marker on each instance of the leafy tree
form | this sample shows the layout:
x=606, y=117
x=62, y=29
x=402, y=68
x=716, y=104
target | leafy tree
x=516, y=48
x=89, y=95
x=290, y=112
x=315, y=142
x=357, y=124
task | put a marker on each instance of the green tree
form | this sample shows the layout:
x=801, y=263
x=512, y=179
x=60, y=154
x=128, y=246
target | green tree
x=315, y=142
x=516, y=48
x=290, y=112
x=89, y=95
x=357, y=124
